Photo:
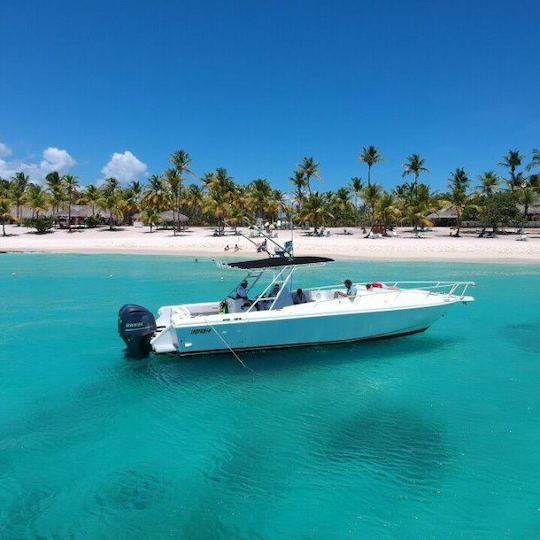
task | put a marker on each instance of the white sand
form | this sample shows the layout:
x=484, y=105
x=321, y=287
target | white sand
x=437, y=246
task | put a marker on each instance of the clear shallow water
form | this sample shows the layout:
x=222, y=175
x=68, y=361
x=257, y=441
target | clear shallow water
x=434, y=435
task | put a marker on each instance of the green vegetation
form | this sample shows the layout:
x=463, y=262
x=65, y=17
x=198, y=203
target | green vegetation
x=42, y=224
x=217, y=199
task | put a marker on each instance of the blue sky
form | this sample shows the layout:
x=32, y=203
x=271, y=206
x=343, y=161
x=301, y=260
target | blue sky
x=255, y=86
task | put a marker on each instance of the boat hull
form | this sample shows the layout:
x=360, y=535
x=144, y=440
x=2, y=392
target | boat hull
x=299, y=331
x=297, y=345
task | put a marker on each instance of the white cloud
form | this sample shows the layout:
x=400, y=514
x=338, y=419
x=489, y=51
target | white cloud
x=54, y=159
x=5, y=150
x=124, y=167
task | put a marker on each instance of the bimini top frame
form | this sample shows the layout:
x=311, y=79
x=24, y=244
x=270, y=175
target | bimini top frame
x=282, y=270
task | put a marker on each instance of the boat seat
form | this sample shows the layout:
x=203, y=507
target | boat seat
x=313, y=296
x=235, y=306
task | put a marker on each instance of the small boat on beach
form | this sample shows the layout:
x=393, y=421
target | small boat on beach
x=279, y=315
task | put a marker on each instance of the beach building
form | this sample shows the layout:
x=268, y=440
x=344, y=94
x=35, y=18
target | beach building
x=447, y=217
x=167, y=219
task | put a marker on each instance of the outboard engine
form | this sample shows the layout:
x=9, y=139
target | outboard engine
x=136, y=325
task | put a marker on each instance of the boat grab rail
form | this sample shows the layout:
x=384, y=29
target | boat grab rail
x=450, y=288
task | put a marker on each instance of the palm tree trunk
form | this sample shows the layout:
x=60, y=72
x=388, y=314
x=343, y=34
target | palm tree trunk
x=69, y=215
x=369, y=175
x=18, y=213
x=3, y=226
x=175, y=208
x=110, y=221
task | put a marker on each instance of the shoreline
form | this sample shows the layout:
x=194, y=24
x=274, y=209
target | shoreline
x=437, y=258
x=437, y=246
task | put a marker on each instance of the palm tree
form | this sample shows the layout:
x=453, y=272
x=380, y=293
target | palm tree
x=459, y=183
x=356, y=186
x=370, y=156
x=91, y=196
x=174, y=181
x=372, y=194
x=489, y=185
x=512, y=161
x=415, y=165
x=5, y=208
x=56, y=189
x=131, y=198
x=235, y=216
x=194, y=197
x=18, y=187
x=309, y=169
x=315, y=210
x=299, y=183
x=342, y=206
x=526, y=196
x=70, y=183
x=534, y=179
x=181, y=162
x=136, y=191
x=259, y=197
x=535, y=161
x=150, y=216
x=156, y=193
x=37, y=199
x=417, y=205
x=387, y=210
x=221, y=194
x=111, y=201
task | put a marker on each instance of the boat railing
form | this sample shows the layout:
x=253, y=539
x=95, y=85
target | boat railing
x=449, y=288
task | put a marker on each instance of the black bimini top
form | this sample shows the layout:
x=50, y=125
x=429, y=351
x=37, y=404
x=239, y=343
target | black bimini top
x=274, y=262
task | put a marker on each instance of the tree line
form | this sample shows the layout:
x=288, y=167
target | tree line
x=215, y=198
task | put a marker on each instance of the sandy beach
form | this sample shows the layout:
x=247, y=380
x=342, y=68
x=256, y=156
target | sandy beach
x=198, y=241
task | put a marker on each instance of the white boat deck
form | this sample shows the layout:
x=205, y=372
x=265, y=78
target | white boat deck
x=322, y=301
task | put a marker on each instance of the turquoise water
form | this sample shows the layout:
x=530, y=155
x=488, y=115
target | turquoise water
x=435, y=435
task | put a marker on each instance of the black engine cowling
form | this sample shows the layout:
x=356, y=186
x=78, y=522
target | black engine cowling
x=136, y=325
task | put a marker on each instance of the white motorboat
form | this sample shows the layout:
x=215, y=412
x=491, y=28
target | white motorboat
x=276, y=317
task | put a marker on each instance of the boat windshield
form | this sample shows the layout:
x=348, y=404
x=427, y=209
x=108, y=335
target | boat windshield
x=254, y=293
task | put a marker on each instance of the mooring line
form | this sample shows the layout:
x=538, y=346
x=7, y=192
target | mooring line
x=227, y=345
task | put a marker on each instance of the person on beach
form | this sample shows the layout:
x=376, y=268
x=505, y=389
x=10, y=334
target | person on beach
x=226, y=248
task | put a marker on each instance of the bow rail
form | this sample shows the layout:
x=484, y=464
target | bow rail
x=450, y=288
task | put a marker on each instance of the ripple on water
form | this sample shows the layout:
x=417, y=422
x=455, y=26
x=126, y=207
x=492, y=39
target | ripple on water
x=125, y=491
x=396, y=442
x=22, y=506
x=524, y=335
